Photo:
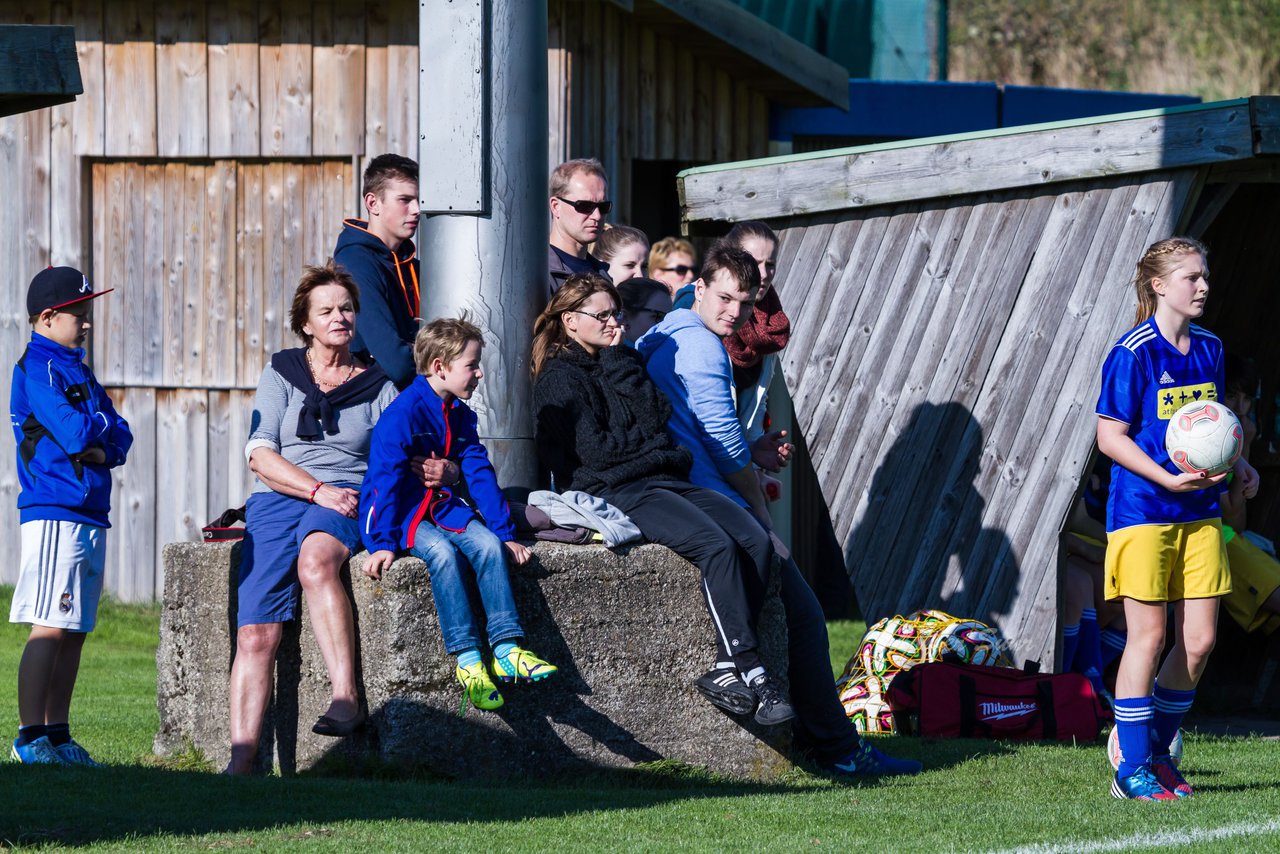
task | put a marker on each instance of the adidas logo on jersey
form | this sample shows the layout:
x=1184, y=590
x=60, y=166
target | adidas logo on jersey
x=1165, y=379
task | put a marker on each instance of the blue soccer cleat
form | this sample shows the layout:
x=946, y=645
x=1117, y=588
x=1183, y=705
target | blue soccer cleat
x=1141, y=785
x=865, y=760
x=1168, y=776
x=38, y=752
x=72, y=753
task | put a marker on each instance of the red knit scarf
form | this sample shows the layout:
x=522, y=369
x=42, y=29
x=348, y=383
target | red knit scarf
x=766, y=332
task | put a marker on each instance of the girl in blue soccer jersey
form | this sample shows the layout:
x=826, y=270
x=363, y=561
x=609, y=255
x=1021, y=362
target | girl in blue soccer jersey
x=1164, y=528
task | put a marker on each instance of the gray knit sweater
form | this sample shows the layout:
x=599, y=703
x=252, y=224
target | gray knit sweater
x=341, y=458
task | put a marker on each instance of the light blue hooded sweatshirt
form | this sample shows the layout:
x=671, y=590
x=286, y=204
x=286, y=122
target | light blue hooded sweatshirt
x=690, y=364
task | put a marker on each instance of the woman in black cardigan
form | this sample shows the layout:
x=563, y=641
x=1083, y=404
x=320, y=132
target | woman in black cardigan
x=601, y=429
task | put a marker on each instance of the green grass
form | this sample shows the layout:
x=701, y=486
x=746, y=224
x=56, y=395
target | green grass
x=975, y=796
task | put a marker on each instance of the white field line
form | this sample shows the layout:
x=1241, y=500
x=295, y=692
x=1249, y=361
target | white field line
x=1138, y=841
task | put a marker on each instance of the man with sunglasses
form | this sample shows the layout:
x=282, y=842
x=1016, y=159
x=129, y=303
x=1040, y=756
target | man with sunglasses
x=579, y=202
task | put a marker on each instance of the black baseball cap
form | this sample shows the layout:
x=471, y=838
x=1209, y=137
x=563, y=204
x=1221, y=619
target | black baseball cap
x=59, y=287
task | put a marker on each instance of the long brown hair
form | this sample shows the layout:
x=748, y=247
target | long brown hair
x=549, y=334
x=1158, y=262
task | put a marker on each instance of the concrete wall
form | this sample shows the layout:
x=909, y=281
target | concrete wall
x=628, y=631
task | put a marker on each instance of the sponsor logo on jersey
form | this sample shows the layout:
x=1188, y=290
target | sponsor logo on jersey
x=1165, y=379
x=1173, y=399
x=1004, y=711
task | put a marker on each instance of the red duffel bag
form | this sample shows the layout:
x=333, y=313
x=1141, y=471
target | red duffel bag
x=944, y=700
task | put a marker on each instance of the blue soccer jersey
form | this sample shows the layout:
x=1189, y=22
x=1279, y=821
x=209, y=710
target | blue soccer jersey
x=1145, y=380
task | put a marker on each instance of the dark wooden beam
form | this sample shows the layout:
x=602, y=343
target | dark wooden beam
x=38, y=67
x=759, y=54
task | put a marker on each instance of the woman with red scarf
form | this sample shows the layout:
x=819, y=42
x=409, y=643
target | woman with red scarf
x=754, y=348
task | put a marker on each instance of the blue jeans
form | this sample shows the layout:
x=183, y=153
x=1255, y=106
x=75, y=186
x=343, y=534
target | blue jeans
x=449, y=556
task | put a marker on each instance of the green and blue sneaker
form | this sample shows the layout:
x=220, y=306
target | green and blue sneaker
x=521, y=664
x=477, y=688
x=38, y=752
x=73, y=754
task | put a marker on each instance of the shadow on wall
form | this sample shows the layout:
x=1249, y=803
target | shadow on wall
x=919, y=542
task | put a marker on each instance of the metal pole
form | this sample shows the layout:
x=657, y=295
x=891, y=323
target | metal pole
x=483, y=234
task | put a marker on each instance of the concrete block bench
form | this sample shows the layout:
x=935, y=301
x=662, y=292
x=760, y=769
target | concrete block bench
x=628, y=631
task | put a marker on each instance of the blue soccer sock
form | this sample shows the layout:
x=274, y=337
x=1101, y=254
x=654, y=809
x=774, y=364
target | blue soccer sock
x=28, y=734
x=1113, y=642
x=1090, y=652
x=468, y=657
x=1070, y=643
x=1133, y=729
x=1170, y=707
x=503, y=649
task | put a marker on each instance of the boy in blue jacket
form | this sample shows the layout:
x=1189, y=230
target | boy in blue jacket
x=430, y=419
x=69, y=437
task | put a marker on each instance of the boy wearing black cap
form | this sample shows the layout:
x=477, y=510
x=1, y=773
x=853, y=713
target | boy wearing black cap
x=69, y=437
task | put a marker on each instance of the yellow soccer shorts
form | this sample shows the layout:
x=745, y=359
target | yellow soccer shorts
x=1255, y=575
x=1167, y=563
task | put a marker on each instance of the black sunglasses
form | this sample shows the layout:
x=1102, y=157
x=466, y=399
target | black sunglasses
x=587, y=208
x=680, y=270
x=602, y=316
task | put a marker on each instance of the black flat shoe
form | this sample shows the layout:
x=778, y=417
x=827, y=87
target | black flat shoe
x=326, y=725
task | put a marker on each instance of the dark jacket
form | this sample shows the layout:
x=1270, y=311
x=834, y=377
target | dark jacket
x=562, y=266
x=59, y=410
x=389, y=304
x=601, y=422
x=393, y=502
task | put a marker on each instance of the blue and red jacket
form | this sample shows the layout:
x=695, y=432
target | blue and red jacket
x=58, y=410
x=394, y=502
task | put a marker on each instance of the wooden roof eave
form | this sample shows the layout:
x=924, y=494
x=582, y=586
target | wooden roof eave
x=768, y=60
x=1007, y=158
x=39, y=67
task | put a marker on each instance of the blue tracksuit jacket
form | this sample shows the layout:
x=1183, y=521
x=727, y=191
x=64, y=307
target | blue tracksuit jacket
x=393, y=501
x=58, y=410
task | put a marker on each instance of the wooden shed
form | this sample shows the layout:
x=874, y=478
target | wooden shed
x=952, y=300
x=219, y=143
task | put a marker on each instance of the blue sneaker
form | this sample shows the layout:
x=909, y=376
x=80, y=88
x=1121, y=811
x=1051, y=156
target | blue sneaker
x=73, y=754
x=38, y=752
x=1167, y=775
x=865, y=760
x=1141, y=785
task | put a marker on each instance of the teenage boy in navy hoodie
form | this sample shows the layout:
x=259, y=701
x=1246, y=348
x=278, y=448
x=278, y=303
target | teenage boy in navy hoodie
x=430, y=419
x=380, y=255
x=69, y=437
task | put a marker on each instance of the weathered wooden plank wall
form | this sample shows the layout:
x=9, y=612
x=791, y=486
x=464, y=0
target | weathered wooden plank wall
x=621, y=91
x=944, y=362
x=215, y=150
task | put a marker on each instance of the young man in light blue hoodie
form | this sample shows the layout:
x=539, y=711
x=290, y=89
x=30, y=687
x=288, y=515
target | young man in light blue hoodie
x=686, y=357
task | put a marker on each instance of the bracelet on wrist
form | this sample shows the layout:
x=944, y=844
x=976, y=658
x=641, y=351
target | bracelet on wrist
x=311, y=499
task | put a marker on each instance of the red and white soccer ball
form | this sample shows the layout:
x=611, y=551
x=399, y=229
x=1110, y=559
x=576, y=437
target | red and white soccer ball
x=1113, y=749
x=1204, y=436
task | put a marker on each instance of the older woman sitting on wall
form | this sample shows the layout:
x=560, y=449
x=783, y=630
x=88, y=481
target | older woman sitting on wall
x=308, y=446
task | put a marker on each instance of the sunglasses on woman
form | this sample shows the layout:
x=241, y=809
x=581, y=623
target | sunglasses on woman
x=680, y=270
x=602, y=316
x=585, y=207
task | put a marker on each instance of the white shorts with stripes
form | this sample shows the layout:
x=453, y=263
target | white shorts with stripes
x=60, y=582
